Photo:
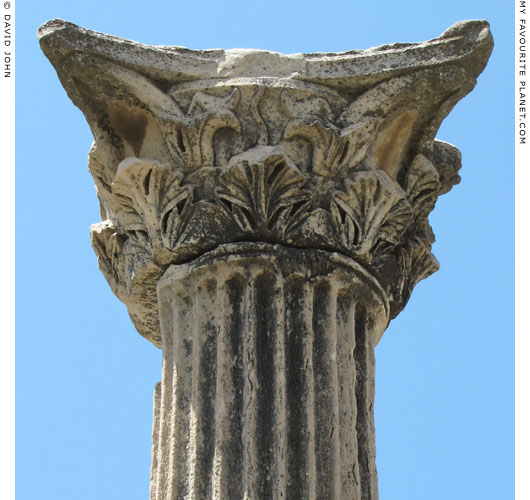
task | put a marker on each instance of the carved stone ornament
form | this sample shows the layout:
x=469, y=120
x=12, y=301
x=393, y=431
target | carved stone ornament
x=264, y=217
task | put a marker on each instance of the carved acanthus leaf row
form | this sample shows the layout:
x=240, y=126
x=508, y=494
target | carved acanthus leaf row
x=266, y=195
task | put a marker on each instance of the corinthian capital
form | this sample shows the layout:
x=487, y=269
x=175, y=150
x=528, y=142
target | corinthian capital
x=194, y=149
x=264, y=217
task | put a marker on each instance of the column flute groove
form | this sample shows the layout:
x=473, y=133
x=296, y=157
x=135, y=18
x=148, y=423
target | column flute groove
x=182, y=396
x=250, y=391
x=350, y=477
x=172, y=487
x=301, y=465
x=166, y=401
x=157, y=400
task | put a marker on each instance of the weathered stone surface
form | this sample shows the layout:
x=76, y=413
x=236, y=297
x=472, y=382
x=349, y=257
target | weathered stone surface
x=198, y=148
x=264, y=217
x=268, y=376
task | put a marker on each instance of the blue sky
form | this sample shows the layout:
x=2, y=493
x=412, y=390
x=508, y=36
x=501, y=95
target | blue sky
x=85, y=378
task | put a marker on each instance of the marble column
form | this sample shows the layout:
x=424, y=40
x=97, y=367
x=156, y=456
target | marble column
x=264, y=217
x=268, y=375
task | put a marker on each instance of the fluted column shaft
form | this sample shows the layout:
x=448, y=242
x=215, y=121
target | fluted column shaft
x=264, y=216
x=268, y=377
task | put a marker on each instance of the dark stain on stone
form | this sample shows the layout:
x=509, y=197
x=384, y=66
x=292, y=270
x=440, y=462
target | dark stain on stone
x=129, y=123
